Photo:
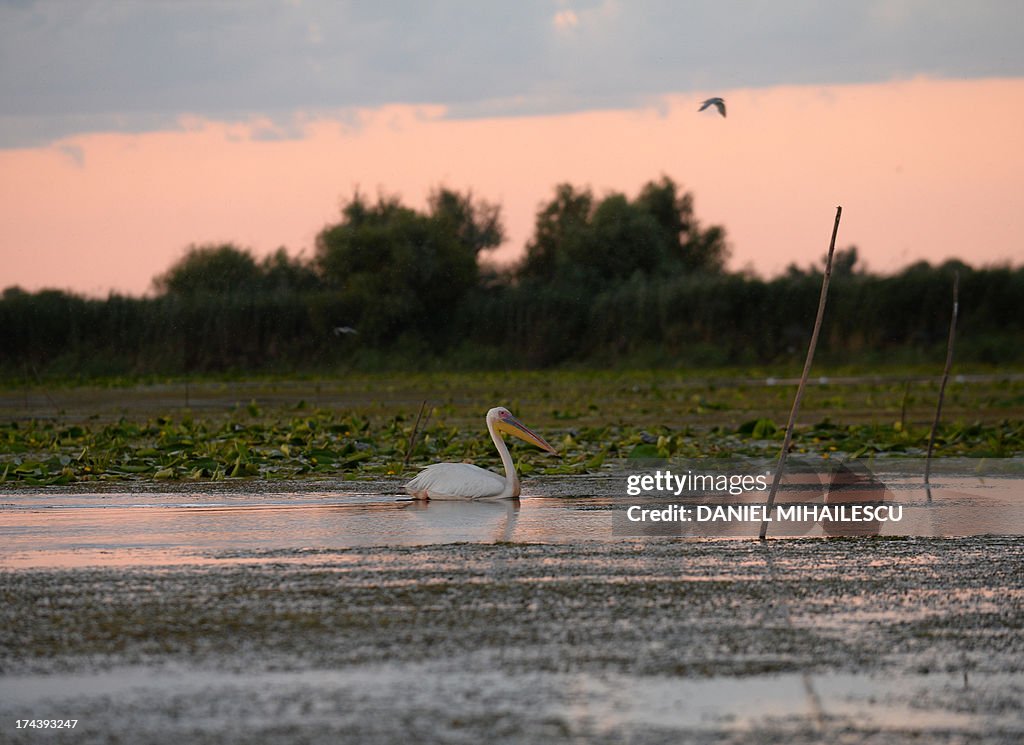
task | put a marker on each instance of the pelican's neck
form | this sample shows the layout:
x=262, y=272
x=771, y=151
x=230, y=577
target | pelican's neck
x=511, y=478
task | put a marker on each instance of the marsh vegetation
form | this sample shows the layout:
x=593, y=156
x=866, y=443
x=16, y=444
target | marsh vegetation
x=606, y=281
x=361, y=425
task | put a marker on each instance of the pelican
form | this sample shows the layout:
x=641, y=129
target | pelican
x=466, y=481
x=718, y=103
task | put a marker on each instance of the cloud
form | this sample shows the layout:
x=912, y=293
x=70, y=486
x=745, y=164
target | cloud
x=313, y=34
x=72, y=152
x=565, y=20
x=139, y=64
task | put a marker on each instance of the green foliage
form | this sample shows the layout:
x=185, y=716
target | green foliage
x=691, y=321
x=212, y=269
x=283, y=274
x=225, y=269
x=396, y=271
x=598, y=243
x=609, y=281
x=476, y=224
x=591, y=418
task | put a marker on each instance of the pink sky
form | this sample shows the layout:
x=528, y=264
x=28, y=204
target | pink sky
x=924, y=169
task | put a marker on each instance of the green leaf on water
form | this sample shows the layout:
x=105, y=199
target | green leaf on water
x=644, y=450
x=758, y=429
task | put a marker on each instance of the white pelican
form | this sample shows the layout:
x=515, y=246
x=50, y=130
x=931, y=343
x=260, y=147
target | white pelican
x=718, y=103
x=466, y=481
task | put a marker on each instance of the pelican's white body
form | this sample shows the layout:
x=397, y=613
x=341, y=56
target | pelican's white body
x=462, y=481
x=466, y=481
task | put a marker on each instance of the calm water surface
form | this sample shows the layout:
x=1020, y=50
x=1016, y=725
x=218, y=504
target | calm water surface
x=182, y=523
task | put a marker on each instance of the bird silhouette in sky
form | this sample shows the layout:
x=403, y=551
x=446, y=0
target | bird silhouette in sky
x=717, y=102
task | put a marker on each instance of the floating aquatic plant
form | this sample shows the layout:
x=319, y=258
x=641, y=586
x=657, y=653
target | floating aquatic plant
x=592, y=419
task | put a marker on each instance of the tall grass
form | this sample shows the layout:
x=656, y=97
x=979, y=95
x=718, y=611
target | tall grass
x=692, y=320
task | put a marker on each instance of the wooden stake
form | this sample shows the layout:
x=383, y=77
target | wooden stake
x=412, y=435
x=945, y=379
x=803, y=378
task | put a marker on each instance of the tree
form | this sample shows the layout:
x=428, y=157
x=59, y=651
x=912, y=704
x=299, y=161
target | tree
x=476, y=223
x=576, y=238
x=395, y=269
x=624, y=239
x=281, y=273
x=211, y=269
x=559, y=235
x=844, y=262
x=696, y=250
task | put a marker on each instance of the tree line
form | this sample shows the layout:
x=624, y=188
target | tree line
x=607, y=280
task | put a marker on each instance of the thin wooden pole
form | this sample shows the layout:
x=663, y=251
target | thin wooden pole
x=412, y=436
x=903, y=407
x=945, y=379
x=803, y=378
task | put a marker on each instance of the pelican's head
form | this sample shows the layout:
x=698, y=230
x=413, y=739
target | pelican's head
x=502, y=420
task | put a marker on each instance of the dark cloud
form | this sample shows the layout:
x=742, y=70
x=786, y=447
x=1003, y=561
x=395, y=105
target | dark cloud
x=132, y=65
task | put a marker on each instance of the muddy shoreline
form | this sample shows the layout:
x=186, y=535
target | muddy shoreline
x=506, y=643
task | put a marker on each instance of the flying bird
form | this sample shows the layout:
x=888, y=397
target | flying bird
x=466, y=481
x=718, y=103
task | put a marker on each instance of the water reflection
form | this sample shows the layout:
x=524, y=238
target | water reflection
x=79, y=528
x=853, y=484
x=439, y=520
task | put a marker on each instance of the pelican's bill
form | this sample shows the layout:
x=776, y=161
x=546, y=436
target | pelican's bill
x=516, y=428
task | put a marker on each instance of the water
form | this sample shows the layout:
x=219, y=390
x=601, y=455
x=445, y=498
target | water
x=584, y=702
x=133, y=524
x=258, y=630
